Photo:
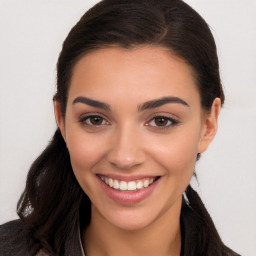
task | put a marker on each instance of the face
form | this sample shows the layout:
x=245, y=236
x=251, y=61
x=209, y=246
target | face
x=134, y=126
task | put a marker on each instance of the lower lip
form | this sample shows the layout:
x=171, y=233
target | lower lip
x=131, y=197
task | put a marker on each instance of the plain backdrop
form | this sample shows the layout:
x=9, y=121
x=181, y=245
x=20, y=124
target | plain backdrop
x=31, y=34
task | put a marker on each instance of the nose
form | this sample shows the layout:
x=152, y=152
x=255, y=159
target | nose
x=126, y=149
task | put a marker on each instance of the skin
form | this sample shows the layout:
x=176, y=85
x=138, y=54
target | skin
x=129, y=141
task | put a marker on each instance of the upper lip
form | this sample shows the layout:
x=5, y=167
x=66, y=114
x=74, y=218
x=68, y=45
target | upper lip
x=127, y=178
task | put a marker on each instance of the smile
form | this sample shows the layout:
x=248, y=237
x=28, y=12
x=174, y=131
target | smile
x=128, y=186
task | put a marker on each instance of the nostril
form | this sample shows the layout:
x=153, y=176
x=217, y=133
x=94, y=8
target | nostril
x=126, y=150
x=126, y=161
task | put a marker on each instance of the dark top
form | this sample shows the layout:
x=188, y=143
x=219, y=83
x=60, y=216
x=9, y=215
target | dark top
x=15, y=242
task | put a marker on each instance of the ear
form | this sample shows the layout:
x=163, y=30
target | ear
x=210, y=125
x=59, y=118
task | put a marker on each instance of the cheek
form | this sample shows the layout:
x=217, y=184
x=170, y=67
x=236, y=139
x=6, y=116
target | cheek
x=85, y=151
x=185, y=150
x=178, y=152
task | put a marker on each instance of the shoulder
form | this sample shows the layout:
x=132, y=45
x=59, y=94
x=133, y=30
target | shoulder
x=14, y=239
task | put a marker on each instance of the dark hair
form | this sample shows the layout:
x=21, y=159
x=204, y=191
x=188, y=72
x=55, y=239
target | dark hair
x=52, y=201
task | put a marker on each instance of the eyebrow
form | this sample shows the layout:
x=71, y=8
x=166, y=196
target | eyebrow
x=162, y=101
x=147, y=105
x=92, y=103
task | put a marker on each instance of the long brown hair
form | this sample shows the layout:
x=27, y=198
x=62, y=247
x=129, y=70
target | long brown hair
x=53, y=201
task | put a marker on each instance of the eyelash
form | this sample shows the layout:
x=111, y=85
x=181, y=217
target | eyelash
x=170, y=121
x=84, y=119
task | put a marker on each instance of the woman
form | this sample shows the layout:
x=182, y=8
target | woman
x=137, y=102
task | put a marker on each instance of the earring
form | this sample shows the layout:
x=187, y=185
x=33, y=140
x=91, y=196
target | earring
x=186, y=199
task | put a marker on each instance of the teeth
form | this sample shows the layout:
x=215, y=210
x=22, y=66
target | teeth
x=139, y=185
x=132, y=185
x=110, y=182
x=123, y=185
x=116, y=184
x=146, y=183
x=127, y=186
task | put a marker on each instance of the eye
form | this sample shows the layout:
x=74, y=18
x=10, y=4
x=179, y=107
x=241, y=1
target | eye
x=162, y=122
x=93, y=120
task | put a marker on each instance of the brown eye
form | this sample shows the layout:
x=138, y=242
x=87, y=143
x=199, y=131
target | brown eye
x=93, y=120
x=162, y=122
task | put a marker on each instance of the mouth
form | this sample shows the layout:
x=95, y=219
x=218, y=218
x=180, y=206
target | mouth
x=128, y=186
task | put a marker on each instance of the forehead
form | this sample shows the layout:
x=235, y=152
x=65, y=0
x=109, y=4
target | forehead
x=146, y=71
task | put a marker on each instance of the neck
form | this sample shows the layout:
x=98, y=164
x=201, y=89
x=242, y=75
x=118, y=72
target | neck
x=162, y=237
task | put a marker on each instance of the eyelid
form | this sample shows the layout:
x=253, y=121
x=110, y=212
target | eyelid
x=85, y=116
x=174, y=120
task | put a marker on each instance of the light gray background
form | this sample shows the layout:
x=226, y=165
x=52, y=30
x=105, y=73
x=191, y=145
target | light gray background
x=31, y=34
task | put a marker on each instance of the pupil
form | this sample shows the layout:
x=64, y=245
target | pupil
x=96, y=120
x=161, y=121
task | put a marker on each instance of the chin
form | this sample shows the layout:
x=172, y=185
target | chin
x=131, y=222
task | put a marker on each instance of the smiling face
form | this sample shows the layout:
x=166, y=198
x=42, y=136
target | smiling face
x=133, y=127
